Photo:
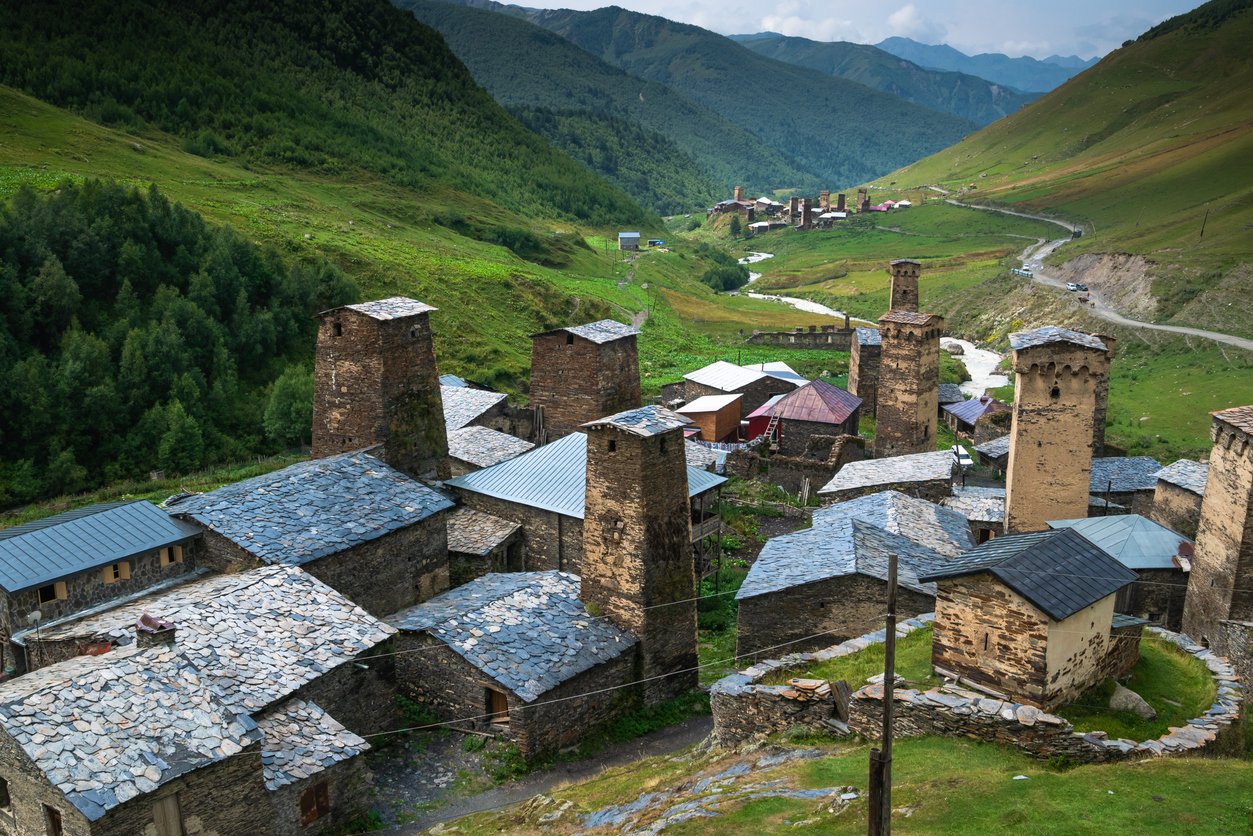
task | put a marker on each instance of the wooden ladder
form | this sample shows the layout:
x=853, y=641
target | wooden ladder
x=772, y=428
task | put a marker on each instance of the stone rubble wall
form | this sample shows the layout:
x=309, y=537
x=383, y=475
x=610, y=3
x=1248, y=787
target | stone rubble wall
x=744, y=709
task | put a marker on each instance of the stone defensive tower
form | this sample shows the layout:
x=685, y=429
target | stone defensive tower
x=907, y=401
x=739, y=193
x=1219, y=606
x=904, y=285
x=583, y=373
x=824, y=200
x=839, y=203
x=863, y=200
x=794, y=207
x=1057, y=374
x=1102, y=401
x=375, y=382
x=807, y=216
x=863, y=368
x=637, y=559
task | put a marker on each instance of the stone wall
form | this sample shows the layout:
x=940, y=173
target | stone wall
x=838, y=608
x=812, y=439
x=348, y=786
x=576, y=380
x=907, y=401
x=552, y=541
x=363, y=700
x=863, y=375
x=1176, y=508
x=831, y=337
x=1158, y=597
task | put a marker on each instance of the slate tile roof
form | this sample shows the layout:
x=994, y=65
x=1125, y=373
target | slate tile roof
x=985, y=505
x=1132, y=540
x=1187, y=474
x=817, y=401
x=394, y=307
x=312, y=509
x=464, y=405
x=42, y=551
x=1050, y=334
x=1240, y=417
x=603, y=331
x=105, y=729
x=897, y=470
x=951, y=393
x=1126, y=473
x=1059, y=572
x=869, y=336
x=834, y=549
x=300, y=741
x=643, y=421
x=995, y=448
x=256, y=637
x=476, y=533
x=939, y=529
x=702, y=457
x=725, y=376
x=969, y=412
x=909, y=317
x=484, y=447
x=529, y=631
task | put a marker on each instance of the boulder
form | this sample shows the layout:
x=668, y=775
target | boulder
x=1124, y=699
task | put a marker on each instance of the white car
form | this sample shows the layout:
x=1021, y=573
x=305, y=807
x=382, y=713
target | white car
x=1071, y=286
x=963, y=457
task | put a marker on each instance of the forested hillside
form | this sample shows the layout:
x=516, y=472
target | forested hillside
x=960, y=94
x=666, y=151
x=842, y=132
x=333, y=86
x=134, y=336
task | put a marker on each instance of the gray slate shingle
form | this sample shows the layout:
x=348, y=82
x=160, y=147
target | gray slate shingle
x=476, y=533
x=301, y=740
x=1127, y=473
x=1187, y=474
x=484, y=447
x=896, y=470
x=985, y=505
x=464, y=405
x=1050, y=334
x=927, y=524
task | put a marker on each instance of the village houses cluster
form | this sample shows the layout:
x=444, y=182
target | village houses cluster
x=220, y=664
x=765, y=214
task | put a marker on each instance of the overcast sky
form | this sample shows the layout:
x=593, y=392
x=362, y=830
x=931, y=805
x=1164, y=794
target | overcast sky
x=1015, y=27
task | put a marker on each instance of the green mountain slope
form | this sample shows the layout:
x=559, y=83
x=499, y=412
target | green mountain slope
x=960, y=94
x=841, y=131
x=1153, y=150
x=1023, y=73
x=331, y=86
x=664, y=149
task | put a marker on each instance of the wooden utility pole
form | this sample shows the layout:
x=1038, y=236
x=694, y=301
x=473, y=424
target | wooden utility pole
x=880, y=813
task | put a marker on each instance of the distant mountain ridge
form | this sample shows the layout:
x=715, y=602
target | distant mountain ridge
x=1024, y=73
x=970, y=97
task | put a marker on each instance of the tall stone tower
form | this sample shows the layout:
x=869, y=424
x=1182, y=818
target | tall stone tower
x=739, y=193
x=907, y=402
x=583, y=373
x=375, y=382
x=1057, y=375
x=637, y=561
x=904, y=285
x=1102, y=400
x=1219, y=606
x=863, y=368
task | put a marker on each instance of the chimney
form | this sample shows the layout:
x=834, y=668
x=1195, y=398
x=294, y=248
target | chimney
x=151, y=632
x=739, y=192
x=840, y=203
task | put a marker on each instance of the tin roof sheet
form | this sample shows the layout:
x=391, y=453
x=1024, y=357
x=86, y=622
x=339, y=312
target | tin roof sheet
x=969, y=412
x=778, y=370
x=817, y=401
x=708, y=403
x=1132, y=540
x=725, y=376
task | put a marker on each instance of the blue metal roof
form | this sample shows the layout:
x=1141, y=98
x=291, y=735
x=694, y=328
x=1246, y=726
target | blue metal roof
x=554, y=478
x=1132, y=540
x=85, y=538
x=969, y=412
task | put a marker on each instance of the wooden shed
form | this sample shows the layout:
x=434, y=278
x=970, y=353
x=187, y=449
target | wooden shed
x=717, y=416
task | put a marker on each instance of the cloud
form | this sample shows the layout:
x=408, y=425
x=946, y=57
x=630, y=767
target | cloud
x=907, y=22
x=825, y=29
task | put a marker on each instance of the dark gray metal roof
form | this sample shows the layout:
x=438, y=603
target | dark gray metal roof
x=834, y=549
x=927, y=524
x=951, y=393
x=1127, y=473
x=972, y=410
x=314, y=508
x=43, y=551
x=869, y=336
x=554, y=478
x=463, y=405
x=529, y=631
x=1187, y=474
x=1053, y=334
x=1059, y=572
x=644, y=421
x=1132, y=540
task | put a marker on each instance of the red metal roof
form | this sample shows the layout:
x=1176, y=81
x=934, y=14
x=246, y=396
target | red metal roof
x=818, y=401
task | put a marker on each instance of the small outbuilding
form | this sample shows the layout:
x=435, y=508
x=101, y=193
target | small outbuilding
x=629, y=241
x=717, y=417
x=924, y=475
x=995, y=453
x=479, y=543
x=983, y=508
x=1129, y=481
x=977, y=416
x=723, y=378
x=1177, y=497
x=806, y=421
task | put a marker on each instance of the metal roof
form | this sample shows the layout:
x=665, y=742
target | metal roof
x=897, y=470
x=394, y=307
x=643, y=421
x=1132, y=540
x=1050, y=334
x=464, y=406
x=969, y=412
x=819, y=402
x=1126, y=473
x=453, y=381
x=628, y=235
x=554, y=478
x=765, y=408
x=709, y=403
x=778, y=370
x=725, y=376
x=1187, y=474
x=85, y=538
x=1059, y=572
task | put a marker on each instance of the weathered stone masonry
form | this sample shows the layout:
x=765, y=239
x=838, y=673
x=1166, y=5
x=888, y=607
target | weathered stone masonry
x=576, y=380
x=907, y=398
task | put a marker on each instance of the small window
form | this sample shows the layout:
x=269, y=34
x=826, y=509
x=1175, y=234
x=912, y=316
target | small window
x=569, y=339
x=338, y=329
x=52, y=592
x=663, y=446
x=1055, y=392
x=315, y=803
x=52, y=821
x=171, y=555
x=120, y=571
x=613, y=445
x=6, y=804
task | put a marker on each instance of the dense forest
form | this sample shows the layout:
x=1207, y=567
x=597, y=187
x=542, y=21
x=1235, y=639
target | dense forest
x=336, y=86
x=134, y=336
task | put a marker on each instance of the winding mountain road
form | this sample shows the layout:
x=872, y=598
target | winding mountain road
x=1033, y=260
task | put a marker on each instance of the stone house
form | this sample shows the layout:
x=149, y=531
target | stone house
x=716, y=416
x=473, y=448
x=80, y=559
x=1161, y=559
x=581, y=373
x=949, y=393
x=983, y=508
x=238, y=679
x=1178, y=494
x=995, y=454
x=466, y=406
x=723, y=378
x=968, y=417
x=823, y=585
x=923, y=475
x=863, y=367
x=544, y=491
x=479, y=543
x=1031, y=617
x=1128, y=481
x=808, y=420
x=365, y=529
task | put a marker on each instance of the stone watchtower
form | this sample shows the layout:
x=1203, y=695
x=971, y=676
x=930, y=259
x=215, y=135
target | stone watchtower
x=904, y=285
x=1057, y=375
x=907, y=400
x=1219, y=607
x=582, y=373
x=375, y=382
x=637, y=559
x=1102, y=401
x=863, y=367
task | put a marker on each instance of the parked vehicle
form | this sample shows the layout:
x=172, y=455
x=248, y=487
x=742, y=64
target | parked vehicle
x=1081, y=286
x=964, y=461
x=1071, y=286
